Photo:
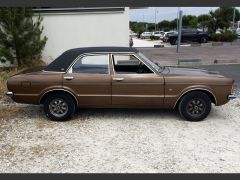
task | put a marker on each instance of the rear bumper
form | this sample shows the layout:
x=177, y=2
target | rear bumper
x=9, y=93
x=231, y=96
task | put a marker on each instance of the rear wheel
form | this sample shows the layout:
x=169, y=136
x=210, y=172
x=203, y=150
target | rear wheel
x=195, y=106
x=173, y=41
x=203, y=40
x=59, y=106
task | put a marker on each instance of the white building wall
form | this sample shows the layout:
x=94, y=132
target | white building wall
x=66, y=31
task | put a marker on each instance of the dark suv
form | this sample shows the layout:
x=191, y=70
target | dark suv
x=189, y=35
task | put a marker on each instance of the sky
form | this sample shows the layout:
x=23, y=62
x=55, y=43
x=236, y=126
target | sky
x=165, y=13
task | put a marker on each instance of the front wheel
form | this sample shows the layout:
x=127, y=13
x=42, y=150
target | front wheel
x=195, y=106
x=59, y=107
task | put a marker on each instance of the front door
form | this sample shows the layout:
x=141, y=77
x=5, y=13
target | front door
x=89, y=78
x=134, y=83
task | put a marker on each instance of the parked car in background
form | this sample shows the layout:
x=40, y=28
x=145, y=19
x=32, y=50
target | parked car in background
x=130, y=41
x=238, y=32
x=158, y=34
x=238, y=29
x=117, y=77
x=166, y=35
x=133, y=34
x=146, y=35
x=189, y=35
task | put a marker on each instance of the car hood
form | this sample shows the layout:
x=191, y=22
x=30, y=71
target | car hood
x=190, y=72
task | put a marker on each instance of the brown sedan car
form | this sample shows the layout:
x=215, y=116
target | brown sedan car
x=119, y=77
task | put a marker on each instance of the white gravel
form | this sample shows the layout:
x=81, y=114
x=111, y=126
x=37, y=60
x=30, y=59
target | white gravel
x=121, y=140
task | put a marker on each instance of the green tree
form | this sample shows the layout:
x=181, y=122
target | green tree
x=164, y=24
x=189, y=21
x=173, y=24
x=222, y=18
x=138, y=27
x=20, y=36
x=203, y=21
x=151, y=27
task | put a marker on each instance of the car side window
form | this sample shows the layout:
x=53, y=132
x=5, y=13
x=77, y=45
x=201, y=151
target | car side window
x=94, y=64
x=129, y=64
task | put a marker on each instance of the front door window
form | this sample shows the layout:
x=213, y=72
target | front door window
x=129, y=64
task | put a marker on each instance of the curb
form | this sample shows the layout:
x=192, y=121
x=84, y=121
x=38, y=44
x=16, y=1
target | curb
x=217, y=43
x=190, y=62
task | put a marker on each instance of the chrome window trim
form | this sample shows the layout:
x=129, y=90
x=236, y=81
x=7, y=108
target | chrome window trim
x=135, y=55
x=80, y=55
x=69, y=70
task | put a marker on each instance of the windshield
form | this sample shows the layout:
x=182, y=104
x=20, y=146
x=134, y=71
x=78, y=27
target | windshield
x=155, y=66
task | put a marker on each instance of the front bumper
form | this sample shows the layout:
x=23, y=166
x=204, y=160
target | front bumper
x=9, y=93
x=231, y=96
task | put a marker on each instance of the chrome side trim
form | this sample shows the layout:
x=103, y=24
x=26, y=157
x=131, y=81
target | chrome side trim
x=54, y=72
x=194, y=89
x=138, y=96
x=120, y=95
x=9, y=93
x=231, y=96
x=58, y=90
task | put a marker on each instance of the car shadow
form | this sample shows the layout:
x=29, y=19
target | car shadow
x=126, y=113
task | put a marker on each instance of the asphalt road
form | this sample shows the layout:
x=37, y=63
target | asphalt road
x=228, y=70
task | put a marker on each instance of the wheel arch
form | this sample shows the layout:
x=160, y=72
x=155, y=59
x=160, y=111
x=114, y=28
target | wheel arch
x=206, y=91
x=45, y=94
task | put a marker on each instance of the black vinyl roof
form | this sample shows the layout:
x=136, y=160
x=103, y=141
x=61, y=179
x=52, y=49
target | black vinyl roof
x=62, y=63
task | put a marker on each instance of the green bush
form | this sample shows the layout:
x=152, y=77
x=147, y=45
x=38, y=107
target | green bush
x=227, y=36
x=230, y=36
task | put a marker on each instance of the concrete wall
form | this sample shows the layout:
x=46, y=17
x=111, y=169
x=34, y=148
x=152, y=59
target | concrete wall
x=66, y=31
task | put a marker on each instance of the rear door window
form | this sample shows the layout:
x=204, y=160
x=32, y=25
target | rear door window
x=94, y=64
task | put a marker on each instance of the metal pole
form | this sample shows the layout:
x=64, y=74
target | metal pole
x=234, y=18
x=177, y=17
x=179, y=30
x=155, y=21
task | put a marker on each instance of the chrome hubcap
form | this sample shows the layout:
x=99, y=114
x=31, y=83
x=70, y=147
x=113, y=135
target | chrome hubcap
x=196, y=107
x=58, y=107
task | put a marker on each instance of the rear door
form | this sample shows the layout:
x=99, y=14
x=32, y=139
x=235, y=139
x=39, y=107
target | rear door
x=89, y=78
x=133, y=85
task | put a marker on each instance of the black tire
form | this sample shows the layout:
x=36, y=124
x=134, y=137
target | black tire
x=67, y=103
x=173, y=41
x=195, y=106
x=203, y=40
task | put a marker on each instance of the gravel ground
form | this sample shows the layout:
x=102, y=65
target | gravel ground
x=120, y=140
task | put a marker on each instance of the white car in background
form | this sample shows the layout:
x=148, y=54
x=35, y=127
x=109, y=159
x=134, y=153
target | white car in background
x=238, y=32
x=238, y=29
x=158, y=34
x=146, y=35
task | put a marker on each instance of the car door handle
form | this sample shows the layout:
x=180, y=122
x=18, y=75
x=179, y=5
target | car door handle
x=68, y=78
x=118, y=79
